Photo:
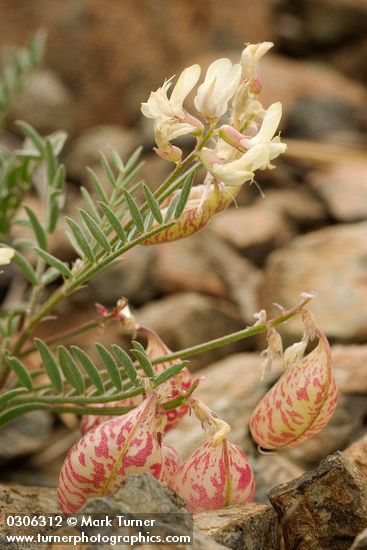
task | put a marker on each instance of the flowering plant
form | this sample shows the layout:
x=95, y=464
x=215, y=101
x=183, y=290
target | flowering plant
x=128, y=400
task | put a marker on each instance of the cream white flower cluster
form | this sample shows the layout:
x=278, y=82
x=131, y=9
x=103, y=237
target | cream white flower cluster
x=247, y=143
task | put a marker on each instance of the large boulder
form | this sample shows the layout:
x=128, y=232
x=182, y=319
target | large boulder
x=331, y=262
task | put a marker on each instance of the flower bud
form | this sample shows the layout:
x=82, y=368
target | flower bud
x=221, y=81
x=300, y=404
x=217, y=474
x=122, y=445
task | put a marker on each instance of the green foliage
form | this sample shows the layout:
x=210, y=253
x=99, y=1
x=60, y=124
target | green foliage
x=115, y=378
x=111, y=222
x=16, y=71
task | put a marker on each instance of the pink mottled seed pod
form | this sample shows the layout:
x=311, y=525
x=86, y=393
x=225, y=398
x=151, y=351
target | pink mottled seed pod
x=218, y=474
x=215, y=476
x=202, y=205
x=174, y=386
x=171, y=464
x=300, y=404
x=122, y=445
x=90, y=421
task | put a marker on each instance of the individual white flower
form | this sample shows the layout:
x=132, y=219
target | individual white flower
x=171, y=120
x=167, y=129
x=265, y=136
x=245, y=105
x=6, y=255
x=235, y=172
x=159, y=104
x=221, y=81
x=250, y=58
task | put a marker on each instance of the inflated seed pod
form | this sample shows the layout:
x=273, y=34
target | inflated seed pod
x=90, y=421
x=171, y=464
x=215, y=477
x=218, y=473
x=174, y=386
x=202, y=205
x=300, y=404
x=97, y=464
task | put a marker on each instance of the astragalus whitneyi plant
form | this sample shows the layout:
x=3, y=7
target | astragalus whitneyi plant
x=128, y=401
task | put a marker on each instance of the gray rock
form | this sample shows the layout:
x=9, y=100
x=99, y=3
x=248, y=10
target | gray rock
x=332, y=262
x=323, y=509
x=320, y=23
x=344, y=189
x=131, y=278
x=240, y=276
x=270, y=470
x=203, y=263
x=249, y=526
x=188, y=318
x=324, y=119
x=360, y=542
x=85, y=150
x=143, y=494
x=253, y=230
x=357, y=454
x=46, y=103
x=25, y=435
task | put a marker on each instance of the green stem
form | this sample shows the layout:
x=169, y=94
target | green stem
x=67, y=288
x=234, y=337
x=87, y=272
x=78, y=400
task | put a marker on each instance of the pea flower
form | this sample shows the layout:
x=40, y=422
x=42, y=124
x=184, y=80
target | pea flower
x=234, y=172
x=171, y=120
x=6, y=255
x=250, y=58
x=158, y=103
x=218, y=473
x=271, y=144
x=301, y=403
x=221, y=81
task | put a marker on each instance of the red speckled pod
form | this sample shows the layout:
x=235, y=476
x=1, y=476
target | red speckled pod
x=90, y=421
x=197, y=212
x=300, y=404
x=217, y=474
x=171, y=464
x=122, y=445
x=173, y=387
x=214, y=477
